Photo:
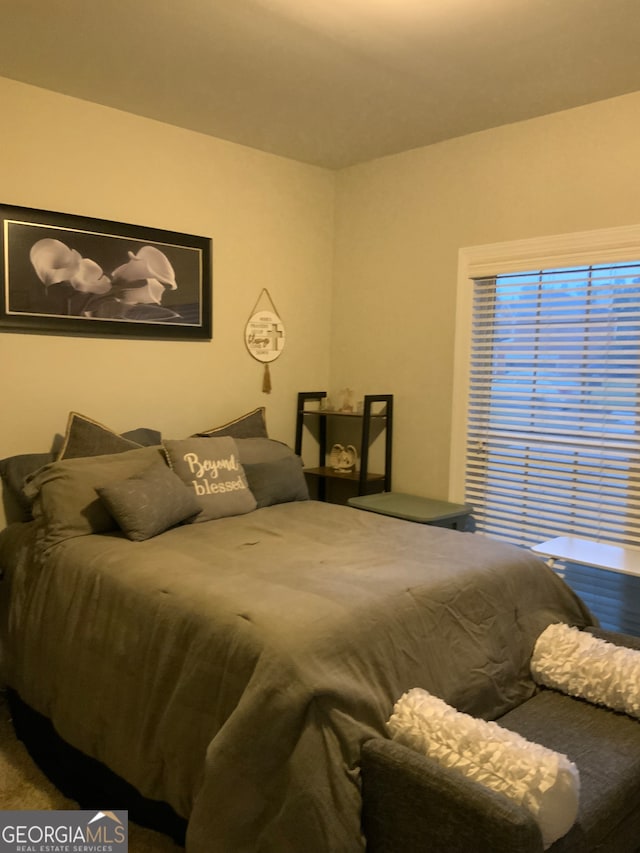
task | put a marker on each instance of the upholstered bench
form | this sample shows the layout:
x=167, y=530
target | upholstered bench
x=411, y=803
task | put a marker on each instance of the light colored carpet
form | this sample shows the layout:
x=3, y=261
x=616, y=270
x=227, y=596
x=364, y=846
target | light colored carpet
x=24, y=786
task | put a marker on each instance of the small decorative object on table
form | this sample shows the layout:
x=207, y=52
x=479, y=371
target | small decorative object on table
x=343, y=459
x=347, y=400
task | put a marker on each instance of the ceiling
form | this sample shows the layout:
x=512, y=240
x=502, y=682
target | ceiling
x=328, y=82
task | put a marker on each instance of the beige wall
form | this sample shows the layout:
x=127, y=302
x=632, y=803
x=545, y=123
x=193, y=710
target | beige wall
x=271, y=221
x=400, y=222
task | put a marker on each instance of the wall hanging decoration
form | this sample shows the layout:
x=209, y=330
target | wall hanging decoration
x=264, y=335
x=78, y=276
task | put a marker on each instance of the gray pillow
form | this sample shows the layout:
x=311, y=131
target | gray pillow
x=251, y=425
x=64, y=493
x=143, y=436
x=86, y=437
x=254, y=450
x=150, y=502
x=277, y=482
x=211, y=467
x=14, y=470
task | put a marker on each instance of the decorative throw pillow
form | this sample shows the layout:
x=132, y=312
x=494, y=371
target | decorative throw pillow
x=144, y=436
x=254, y=450
x=579, y=664
x=277, y=482
x=540, y=780
x=86, y=437
x=150, y=502
x=65, y=497
x=251, y=425
x=212, y=468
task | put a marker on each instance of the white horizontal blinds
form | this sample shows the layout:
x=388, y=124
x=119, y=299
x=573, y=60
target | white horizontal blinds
x=553, y=445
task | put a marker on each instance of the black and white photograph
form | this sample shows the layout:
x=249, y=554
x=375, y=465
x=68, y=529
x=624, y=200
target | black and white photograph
x=73, y=275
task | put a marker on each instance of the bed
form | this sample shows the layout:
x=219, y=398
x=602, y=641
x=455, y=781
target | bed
x=233, y=667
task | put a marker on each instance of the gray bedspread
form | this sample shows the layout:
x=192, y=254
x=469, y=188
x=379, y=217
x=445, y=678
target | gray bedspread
x=234, y=667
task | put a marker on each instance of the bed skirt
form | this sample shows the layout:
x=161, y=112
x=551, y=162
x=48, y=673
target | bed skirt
x=85, y=780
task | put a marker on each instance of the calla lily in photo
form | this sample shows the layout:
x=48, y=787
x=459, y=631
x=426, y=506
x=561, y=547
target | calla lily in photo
x=148, y=263
x=54, y=262
x=89, y=278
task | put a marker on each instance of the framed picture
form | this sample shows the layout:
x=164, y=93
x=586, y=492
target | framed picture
x=78, y=276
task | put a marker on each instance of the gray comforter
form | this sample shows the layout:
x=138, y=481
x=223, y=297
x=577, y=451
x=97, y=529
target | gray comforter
x=234, y=667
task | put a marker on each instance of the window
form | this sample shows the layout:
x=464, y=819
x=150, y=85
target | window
x=552, y=430
x=546, y=438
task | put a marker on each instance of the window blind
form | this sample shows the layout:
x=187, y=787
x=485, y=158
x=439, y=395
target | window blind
x=553, y=445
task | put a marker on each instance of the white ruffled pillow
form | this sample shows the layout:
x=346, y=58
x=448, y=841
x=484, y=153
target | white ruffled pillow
x=544, y=782
x=579, y=664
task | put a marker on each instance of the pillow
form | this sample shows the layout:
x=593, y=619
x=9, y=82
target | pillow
x=143, y=436
x=251, y=425
x=213, y=470
x=64, y=494
x=579, y=664
x=85, y=437
x=150, y=502
x=544, y=782
x=13, y=471
x=254, y=450
x=277, y=482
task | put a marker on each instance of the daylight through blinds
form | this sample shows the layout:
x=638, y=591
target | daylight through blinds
x=552, y=444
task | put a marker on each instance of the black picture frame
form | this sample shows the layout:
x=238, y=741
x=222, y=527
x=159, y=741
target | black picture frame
x=75, y=275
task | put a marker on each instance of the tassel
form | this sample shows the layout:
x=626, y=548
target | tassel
x=266, y=380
